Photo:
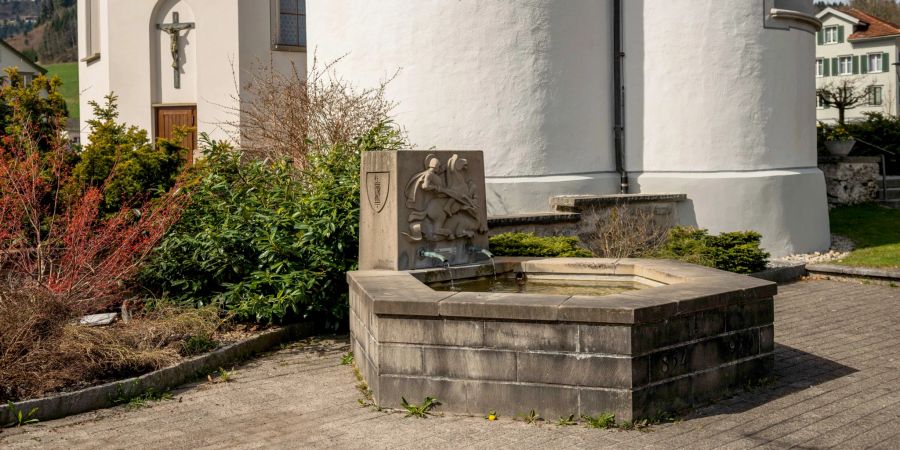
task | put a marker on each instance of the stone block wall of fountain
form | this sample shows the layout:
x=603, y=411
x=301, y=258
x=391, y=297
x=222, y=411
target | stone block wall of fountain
x=422, y=209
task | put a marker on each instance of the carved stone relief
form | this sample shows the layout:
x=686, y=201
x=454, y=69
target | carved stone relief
x=378, y=186
x=443, y=202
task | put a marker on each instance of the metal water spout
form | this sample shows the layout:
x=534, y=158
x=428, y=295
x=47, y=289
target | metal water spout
x=433, y=255
x=485, y=252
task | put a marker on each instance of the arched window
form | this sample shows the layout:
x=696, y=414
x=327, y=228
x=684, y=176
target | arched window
x=290, y=25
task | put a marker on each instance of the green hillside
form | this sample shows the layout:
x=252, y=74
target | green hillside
x=68, y=72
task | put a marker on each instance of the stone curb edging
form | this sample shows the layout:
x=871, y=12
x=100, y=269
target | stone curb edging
x=104, y=396
x=847, y=272
x=782, y=274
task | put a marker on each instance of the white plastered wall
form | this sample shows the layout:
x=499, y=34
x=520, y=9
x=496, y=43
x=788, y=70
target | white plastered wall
x=135, y=61
x=527, y=82
x=725, y=113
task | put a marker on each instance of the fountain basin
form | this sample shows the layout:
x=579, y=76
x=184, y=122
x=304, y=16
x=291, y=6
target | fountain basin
x=687, y=337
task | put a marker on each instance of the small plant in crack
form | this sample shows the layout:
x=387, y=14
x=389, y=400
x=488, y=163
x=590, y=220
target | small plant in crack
x=420, y=411
x=603, y=420
x=20, y=417
x=566, y=421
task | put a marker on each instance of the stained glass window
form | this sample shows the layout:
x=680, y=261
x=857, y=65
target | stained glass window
x=292, y=23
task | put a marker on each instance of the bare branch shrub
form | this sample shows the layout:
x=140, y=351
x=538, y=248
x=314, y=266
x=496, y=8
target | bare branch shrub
x=288, y=115
x=625, y=230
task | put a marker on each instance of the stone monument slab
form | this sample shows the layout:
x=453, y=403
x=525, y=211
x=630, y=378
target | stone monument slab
x=421, y=209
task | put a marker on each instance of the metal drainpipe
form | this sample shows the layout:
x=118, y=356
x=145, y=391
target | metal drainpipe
x=618, y=96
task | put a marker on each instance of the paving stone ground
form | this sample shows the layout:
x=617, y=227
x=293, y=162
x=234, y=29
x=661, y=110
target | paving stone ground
x=837, y=385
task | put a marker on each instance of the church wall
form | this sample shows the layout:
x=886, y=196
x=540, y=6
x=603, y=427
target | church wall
x=228, y=34
x=93, y=76
x=529, y=83
x=726, y=117
x=717, y=105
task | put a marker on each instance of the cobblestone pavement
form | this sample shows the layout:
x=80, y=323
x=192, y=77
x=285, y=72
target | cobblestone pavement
x=838, y=385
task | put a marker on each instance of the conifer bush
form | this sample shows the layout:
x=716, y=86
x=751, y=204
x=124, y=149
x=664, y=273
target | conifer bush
x=737, y=252
x=527, y=244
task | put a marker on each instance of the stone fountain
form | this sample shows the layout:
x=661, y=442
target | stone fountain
x=671, y=336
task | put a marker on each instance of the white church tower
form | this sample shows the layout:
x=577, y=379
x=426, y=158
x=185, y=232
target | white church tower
x=182, y=62
x=717, y=99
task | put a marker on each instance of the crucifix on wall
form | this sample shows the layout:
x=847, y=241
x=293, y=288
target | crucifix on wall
x=174, y=30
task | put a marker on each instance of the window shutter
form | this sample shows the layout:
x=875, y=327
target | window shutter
x=841, y=34
x=826, y=70
x=864, y=64
x=885, y=62
x=820, y=37
x=834, y=66
x=855, y=65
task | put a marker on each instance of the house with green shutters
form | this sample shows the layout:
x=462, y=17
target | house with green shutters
x=858, y=47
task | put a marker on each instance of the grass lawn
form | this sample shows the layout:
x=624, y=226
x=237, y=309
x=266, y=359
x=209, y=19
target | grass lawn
x=68, y=72
x=874, y=229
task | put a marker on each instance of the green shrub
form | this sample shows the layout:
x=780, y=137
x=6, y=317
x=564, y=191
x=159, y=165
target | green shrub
x=878, y=129
x=122, y=158
x=527, y=244
x=264, y=241
x=36, y=108
x=737, y=252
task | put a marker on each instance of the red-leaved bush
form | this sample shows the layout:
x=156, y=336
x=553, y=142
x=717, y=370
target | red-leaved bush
x=56, y=238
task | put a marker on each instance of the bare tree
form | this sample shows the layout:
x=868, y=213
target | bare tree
x=846, y=93
x=288, y=114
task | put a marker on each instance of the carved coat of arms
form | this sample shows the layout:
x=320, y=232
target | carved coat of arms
x=378, y=185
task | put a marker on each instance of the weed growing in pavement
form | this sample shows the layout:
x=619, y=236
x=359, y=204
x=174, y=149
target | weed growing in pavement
x=347, y=359
x=604, y=420
x=531, y=418
x=21, y=417
x=566, y=421
x=420, y=411
x=221, y=376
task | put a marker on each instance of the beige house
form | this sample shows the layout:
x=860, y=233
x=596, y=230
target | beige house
x=10, y=57
x=857, y=46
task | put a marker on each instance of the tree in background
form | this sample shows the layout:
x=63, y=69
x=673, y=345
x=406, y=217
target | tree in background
x=848, y=93
x=884, y=9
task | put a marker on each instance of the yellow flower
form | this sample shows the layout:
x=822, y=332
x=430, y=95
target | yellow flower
x=492, y=417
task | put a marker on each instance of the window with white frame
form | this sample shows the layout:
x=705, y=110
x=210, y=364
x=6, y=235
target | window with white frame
x=820, y=102
x=845, y=65
x=831, y=35
x=820, y=67
x=290, y=19
x=874, y=62
x=876, y=96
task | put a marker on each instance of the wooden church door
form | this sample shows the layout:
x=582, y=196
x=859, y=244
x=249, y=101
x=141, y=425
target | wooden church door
x=168, y=118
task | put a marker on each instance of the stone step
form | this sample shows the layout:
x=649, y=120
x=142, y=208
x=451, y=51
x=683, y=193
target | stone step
x=890, y=194
x=892, y=182
x=578, y=203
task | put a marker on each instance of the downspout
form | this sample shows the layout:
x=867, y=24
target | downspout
x=619, y=96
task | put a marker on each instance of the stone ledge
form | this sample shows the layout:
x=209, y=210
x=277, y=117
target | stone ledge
x=103, y=396
x=688, y=289
x=577, y=203
x=854, y=272
x=532, y=219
